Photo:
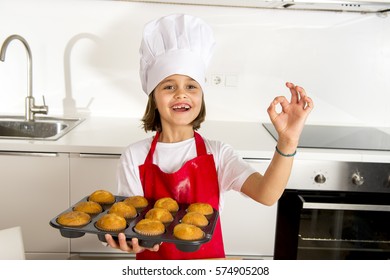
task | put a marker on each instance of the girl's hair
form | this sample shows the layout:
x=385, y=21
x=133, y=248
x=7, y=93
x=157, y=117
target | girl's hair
x=152, y=121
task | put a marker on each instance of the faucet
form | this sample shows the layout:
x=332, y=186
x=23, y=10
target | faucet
x=30, y=108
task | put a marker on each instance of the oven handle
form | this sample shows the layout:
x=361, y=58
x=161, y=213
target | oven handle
x=343, y=206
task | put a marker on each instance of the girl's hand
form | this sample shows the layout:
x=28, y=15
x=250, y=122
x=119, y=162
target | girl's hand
x=290, y=121
x=130, y=247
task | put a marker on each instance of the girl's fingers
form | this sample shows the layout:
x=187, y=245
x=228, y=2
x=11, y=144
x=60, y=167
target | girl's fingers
x=111, y=241
x=272, y=107
x=299, y=96
x=294, y=93
x=123, y=243
x=136, y=247
x=309, y=103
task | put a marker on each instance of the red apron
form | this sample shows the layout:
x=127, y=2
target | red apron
x=195, y=181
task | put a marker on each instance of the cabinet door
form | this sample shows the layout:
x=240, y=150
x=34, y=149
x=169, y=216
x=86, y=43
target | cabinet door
x=248, y=227
x=90, y=172
x=35, y=188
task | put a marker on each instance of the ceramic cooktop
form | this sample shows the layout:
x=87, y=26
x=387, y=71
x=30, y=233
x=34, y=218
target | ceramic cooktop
x=340, y=137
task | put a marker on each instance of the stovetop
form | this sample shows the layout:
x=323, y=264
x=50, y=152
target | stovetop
x=340, y=137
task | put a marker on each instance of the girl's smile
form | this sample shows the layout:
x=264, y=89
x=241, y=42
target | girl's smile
x=181, y=107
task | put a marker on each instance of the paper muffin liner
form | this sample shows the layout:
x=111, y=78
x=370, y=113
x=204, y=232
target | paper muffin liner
x=111, y=229
x=74, y=226
x=148, y=233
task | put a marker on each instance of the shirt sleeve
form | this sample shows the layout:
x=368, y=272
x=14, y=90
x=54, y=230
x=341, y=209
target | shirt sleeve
x=232, y=169
x=128, y=179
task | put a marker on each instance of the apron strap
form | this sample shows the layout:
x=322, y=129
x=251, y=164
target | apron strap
x=149, y=157
x=199, y=142
x=200, y=145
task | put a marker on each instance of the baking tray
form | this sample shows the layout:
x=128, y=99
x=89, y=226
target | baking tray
x=144, y=241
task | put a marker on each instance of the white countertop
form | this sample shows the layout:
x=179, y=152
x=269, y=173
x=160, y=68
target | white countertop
x=103, y=135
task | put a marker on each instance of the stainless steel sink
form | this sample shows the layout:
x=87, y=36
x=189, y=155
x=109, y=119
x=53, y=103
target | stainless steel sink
x=45, y=128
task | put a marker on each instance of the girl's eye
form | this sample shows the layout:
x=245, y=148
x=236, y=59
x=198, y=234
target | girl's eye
x=168, y=87
x=192, y=86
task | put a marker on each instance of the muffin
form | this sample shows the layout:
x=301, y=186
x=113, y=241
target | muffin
x=167, y=203
x=137, y=201
x=160, y=214
x=111, y=222
x=149, y=227
x=202, y=208
x=195, y=218
x=187, y=232
x=127, y=211
x=102, y=197
x=74, y=219
x=89, y=207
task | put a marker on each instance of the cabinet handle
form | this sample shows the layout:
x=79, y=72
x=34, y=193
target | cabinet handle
x=114, y=156
x=32, y=154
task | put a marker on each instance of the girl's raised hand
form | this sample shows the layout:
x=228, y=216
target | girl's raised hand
x=289, y=122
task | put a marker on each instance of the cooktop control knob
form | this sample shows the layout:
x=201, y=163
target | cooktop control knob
x=320, y=178
x=357, y=179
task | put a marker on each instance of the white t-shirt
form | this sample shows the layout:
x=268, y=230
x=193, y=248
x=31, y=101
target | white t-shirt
x=232, y=170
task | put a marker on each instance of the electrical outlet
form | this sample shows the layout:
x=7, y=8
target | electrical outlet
x=218, y=80
x=224, y=79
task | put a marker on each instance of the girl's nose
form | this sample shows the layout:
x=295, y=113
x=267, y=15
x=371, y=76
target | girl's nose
x=180, y=93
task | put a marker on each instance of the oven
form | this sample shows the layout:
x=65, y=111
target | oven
x=334, y=209
x=341, y=210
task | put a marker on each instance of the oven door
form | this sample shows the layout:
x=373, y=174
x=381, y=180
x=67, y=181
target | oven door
x=332, y=225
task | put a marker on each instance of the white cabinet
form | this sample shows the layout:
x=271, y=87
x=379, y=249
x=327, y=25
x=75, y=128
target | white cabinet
x=34, y=188
x=248, y=227
x=90, y=172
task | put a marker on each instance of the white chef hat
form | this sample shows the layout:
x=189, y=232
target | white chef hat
x=175, y=44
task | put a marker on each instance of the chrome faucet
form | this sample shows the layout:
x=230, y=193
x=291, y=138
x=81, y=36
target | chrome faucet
x=30, y=108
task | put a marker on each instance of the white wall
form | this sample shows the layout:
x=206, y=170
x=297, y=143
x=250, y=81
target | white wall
x=85, y=59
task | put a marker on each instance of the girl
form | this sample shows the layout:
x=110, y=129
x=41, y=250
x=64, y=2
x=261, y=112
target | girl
x=177, y=162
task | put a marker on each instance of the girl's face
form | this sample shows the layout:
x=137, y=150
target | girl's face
x=178, y=99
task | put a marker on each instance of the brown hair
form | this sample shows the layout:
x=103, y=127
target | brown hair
x=152, y=121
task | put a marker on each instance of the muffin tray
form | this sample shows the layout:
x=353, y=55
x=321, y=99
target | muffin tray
x=144, y=241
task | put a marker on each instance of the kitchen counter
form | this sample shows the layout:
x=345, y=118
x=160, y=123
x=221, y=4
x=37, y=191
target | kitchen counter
x=103, y=135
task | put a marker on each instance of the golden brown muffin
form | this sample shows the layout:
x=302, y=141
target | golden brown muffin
x=202, y=208
x=127, y=211
x=167, y=203
x=160, y=214
x=149, y=227
x=195, y=218
x=89, y=207
x=111, y=222
x=137, y=201
x=74, y=219
x=187, y=232
x=102, y=197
